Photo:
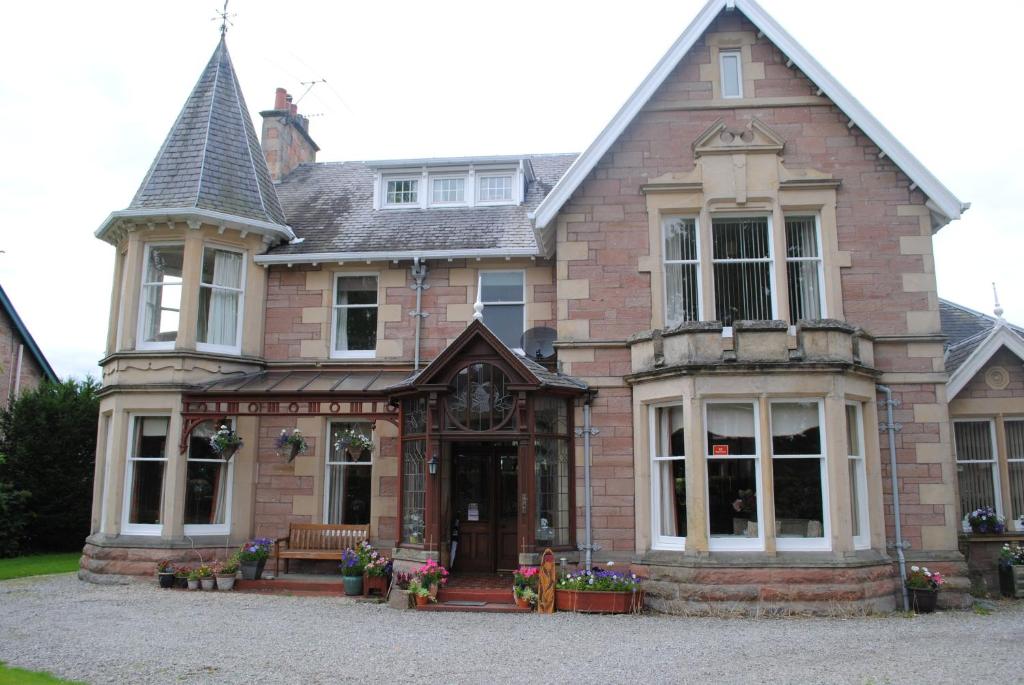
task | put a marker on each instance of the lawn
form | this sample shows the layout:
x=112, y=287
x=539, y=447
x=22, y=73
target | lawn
x=19, y=676
x=38, y=565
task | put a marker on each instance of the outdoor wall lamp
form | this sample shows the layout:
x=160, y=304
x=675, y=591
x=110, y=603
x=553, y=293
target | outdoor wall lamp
x=432, y=464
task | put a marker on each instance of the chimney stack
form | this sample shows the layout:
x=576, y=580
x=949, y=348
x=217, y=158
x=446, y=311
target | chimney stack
x=286, y=141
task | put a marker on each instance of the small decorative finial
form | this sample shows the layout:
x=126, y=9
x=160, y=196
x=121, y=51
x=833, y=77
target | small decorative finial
x=998, y=311
x=478, y=310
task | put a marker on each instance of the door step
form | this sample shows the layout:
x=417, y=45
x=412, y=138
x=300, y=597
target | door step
x=476, y=608
x=486, y=595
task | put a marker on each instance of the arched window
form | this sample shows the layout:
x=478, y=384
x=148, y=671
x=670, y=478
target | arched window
x=480, y=399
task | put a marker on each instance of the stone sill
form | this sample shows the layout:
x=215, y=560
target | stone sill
x=762, y=560
x=1010, y=536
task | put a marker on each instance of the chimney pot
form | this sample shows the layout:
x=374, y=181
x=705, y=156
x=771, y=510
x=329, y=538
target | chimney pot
x=280, y=98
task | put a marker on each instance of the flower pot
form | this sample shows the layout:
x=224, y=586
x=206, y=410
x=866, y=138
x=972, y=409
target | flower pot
x=353, y=585
x=522, y=603
x=923, y=601
x=1017, y=576
x=1005, y=580
x=180, y=583
x=193, y=584
x=599, y=602
x=226, y=582
x=422, y=600
x=375, y=584
x=252, y=570
x=228, y=452
x=166, y=580
x=207, y=583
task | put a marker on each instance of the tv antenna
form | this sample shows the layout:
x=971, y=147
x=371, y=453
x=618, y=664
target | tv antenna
x=309, y=86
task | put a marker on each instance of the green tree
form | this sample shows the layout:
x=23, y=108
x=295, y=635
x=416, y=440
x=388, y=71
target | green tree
x=47, y=449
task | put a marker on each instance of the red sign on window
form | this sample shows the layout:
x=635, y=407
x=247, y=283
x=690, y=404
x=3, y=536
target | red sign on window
x=720, y=450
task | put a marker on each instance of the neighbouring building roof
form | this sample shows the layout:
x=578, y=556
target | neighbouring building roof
x=26, y=337
x=211, y=164
x=942, y=203
x=330, y=208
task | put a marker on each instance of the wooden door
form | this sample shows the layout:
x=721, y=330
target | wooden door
x=506, y=462
x=472, y=496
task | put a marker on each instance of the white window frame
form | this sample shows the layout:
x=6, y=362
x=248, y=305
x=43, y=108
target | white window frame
x=736, y=543
x=770, y=259
x=723, y=55
x=213, y=528
x=522, y=303
x=659, y=541
x=996, y=485
x=449, y=177
x=510, y=174
x=140, y=328
x=352, y=354
x=128, y=528
x=328, y=463
x=237, y=347
x=820, y=259
x=824, y=543
x=665, y=263
x=415, y=204
x=1017, y=516
x=862, y=541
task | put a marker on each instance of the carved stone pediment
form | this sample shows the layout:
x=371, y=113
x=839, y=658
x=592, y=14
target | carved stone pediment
x=719, y=139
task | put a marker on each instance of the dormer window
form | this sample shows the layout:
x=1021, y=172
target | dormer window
x=450, y=190
x=495, y=188
x=732, y=73
x=402, y=191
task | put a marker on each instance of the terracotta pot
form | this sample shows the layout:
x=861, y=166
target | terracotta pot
x=599, y=602
x=923, y=601
x=522, y=603
x=422, y=600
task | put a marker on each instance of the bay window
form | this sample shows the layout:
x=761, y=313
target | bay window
x=977, y=471
x=355, y=316
x=858, y=476
x=734, y=475
x=207, y=483
x=804, y=268
x=742, y=263
x=144, y=476
x=161, y=295
x=503, y=296
x=668, y=477
x=682, y=270
x=347, y=489
x=798, y=475
x=220, y=300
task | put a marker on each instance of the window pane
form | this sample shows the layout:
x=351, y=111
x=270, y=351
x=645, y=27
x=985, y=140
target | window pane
x=669, y=436
x=449, y=190
x=501, y=286
x=480, y=400
x=1014, y=439
x=972, y=441
x=218, y=316
x=795, y=428
x=731, y=429
x=165, y=264
x=414, y=415
x=732, y=497
x=672, y=497
x=348, y=494
x=852, y=431
x=222, y=267
x=552, y=482
x=147, y=492
x=804, y=291
x=506, y=322
x=550, y=415
x=162, y=293
x=680, y=239
x=798, y=500
x=206, y=490
x=495, y=188
x=745, y=238
x=743, y=292
x=356, y=290
x=151, y=437
x=402, y=192
x=976, y=487
x=856, y=496
x=1015, y=453
x=355, y=323
x=801, y=237
x=413, y=490
x=681, y=292
x=730, y=74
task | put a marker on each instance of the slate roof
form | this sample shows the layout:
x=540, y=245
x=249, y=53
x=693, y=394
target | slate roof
x=26, y=337
x=212, y=158
x=966, y=330
x=330, y=207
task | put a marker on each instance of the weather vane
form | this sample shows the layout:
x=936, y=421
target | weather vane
x=225, y=19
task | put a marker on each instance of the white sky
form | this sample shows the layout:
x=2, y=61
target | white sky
x=89, y=90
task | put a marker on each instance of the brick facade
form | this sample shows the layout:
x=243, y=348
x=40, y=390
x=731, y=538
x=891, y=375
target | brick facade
x=32, y=374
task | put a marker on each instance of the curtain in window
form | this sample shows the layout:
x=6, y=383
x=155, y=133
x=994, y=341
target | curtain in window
x=802, y=268
x=1015, y=455
x=222, y=323
x=973, y=442
x=731, y=420
x=742, y=269
x=794, y=418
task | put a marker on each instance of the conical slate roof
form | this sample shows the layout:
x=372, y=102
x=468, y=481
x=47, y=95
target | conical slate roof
x=212, y=158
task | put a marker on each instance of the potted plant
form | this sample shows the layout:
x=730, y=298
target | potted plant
x=986, y=521
x=225, y=573
x=923, y=586
x=432, y=576
x=193, y=579
x=1011, y=571
x=419, y=593
x=526, y=598
x=599, y=591
x=225, y=442
x=181, y=576
x=400, y=598
x=205, y=575
x=524, y=586
x=291, y=444
x=165, y=573
x=376, y=574
x=352, y=565
x=356, y=444
x=252, y=557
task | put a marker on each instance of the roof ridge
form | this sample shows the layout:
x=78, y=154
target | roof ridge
x=245, y=129
x=209, y=120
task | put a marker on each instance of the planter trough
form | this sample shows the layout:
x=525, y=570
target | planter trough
x=599, y=602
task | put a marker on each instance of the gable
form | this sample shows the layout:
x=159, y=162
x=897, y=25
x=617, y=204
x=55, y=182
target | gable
x=999, y=348
x=812, y=80
x=1001, y=376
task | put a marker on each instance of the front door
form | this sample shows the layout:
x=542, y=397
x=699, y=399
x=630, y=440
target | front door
x=485, y=479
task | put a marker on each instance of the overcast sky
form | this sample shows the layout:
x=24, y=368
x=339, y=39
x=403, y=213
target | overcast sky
x=89, y=90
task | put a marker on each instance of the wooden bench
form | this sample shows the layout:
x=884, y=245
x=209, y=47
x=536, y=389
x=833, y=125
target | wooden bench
x=317, y=541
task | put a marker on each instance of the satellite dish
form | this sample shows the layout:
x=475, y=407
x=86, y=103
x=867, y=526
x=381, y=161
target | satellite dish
x=538, y=343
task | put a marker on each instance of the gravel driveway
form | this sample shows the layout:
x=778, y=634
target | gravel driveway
x=140, y=634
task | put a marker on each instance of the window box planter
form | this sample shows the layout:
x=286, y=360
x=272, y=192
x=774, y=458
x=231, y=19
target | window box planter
x=599, y=602
x=923, y=601
x=372, y=584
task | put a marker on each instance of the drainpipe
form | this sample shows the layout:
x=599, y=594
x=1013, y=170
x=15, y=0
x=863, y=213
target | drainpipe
x=419, y=275
x=588, y=547
x=891, y=427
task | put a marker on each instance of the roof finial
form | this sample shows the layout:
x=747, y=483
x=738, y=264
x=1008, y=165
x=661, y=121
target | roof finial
x=998, y=311
x=225, y=19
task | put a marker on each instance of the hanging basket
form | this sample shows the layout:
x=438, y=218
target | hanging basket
x=293, y=451
x=229, y=452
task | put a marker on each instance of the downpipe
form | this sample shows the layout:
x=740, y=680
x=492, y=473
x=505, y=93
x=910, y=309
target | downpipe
x=891, y=428
x=419, y=276
x=586, y=432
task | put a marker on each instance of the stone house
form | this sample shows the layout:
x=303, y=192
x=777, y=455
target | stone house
x=665, y=351
x=22, y=364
